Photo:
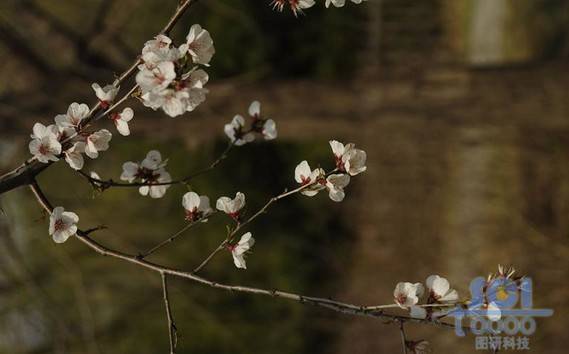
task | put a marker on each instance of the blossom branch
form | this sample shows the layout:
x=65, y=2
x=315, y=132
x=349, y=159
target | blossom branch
x=403, y=337
x=327, y=303
x=240, y=225
x=105, y=184
x=172, y=330
x=26, y=172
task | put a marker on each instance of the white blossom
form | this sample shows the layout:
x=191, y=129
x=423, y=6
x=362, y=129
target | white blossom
x=158, y=78
x=121, y=120
x=341, y=3
x=45, y=145
x=335, y=184
x=231, y=207
x=238, y=250
x=265, y=126
x=75, y=114
x=158, y=50
x=151, y=172
x=155, y=188
x=407, y=294
x=74, y=155
x=304, y=176
x=197, y=206
x=106, y=95
x=348, y=158
x=62, y=224
x=439, y=289
x=199, y=45
x=236, y=133
x=95, y=178
x=98, y=141
x=295, y=5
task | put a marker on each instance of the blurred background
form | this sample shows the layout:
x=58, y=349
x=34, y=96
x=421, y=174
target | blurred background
x=461, y=105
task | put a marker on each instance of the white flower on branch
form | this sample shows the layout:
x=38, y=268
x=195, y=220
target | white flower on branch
x=267, y=127
x=106, y=95
x=305, y=176
x=335, y=184
x=121, y=120
x=62, y=224
x=236, y=133
x=158, y=78
x=158, y=50
x=75, y=114
x=439, y=289
x=151, y=172
x=239, y=250
x=348, y=158
x=94, y=175
x=199, y=45
x=45, y=145
x=231, y=207
x=341, y=3
x=98, y=141
x=197, y=206
x=295, y=5
x=407, y=294
x=74, y=155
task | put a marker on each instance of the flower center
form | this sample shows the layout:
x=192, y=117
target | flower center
x=59, y=225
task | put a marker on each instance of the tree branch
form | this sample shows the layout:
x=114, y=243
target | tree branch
x=25, y=174
x=172, y=330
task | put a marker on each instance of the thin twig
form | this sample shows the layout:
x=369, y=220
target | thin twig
x=172, y=330
x=105, y=184
x=403, y=337
x=175, y=236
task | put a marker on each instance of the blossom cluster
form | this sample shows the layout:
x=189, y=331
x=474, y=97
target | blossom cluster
x=297, y=6
x=438, y=296
x=66, y=138
x=239, y=134
x=170, y=77
x=349, y=162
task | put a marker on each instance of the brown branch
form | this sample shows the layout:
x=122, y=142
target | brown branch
x=25, y=174
x=403, y=337
x=327, y=303
x=172, y=330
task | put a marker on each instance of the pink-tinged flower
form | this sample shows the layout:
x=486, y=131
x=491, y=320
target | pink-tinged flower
x=106, y=95
x=335, y=184
x=262, y=125
x=62, y=224
x=150, y=171
x=158, y=50
x=305, y=176
x=231, y=207
x=45, y=145
x=75, y=114
x=407, y=294
x=121, y=120
x=155, y=188
x=74, y=155
x=239, y=250
x=199, y=45
x=236, y=133
x=98, y=141
x=439, y=289
x=295, y=5
x=157, y=78
x=197, y=206
x=348, y=158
